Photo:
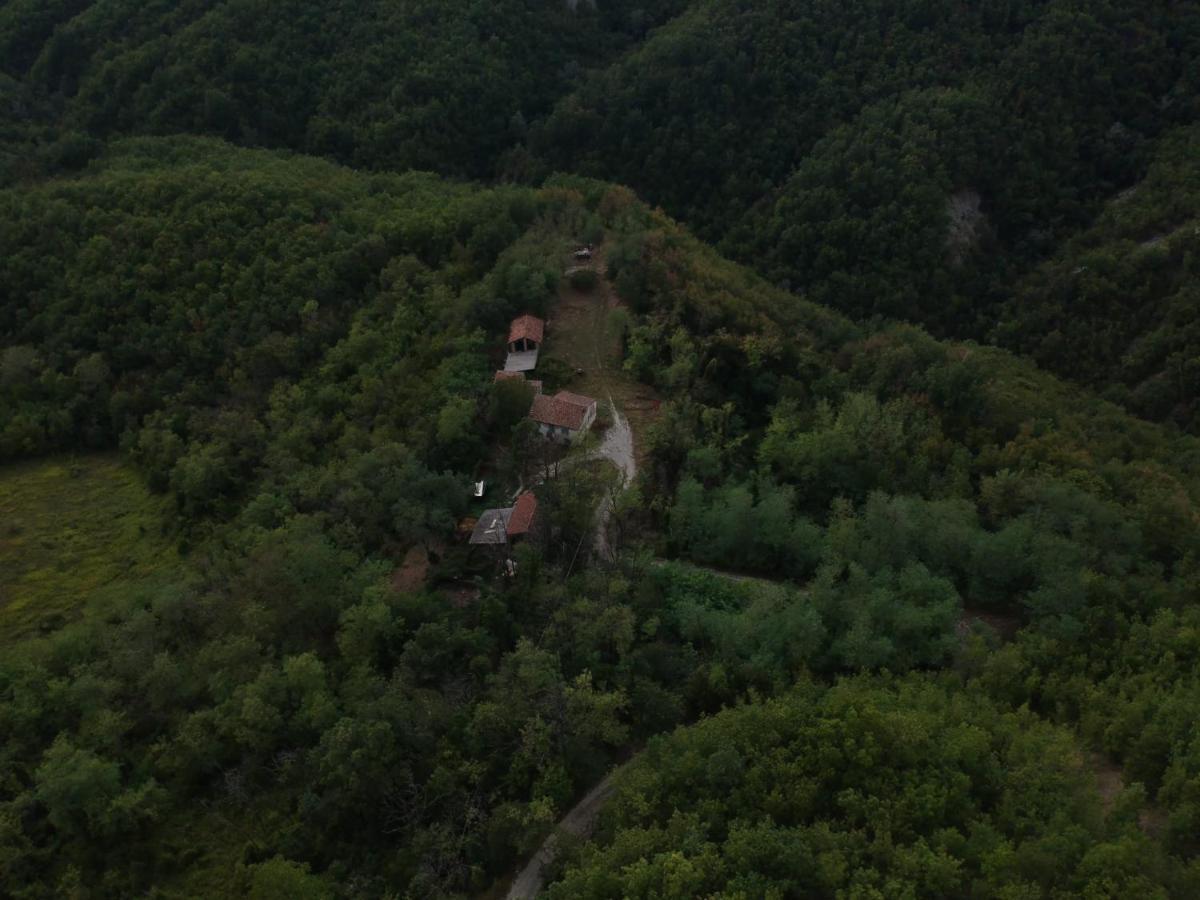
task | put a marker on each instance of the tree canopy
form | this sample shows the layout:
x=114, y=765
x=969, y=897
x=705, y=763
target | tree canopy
x=870, y=788
x=887, y=611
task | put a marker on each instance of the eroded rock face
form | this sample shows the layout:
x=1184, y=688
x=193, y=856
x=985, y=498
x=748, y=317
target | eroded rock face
x=967, y=222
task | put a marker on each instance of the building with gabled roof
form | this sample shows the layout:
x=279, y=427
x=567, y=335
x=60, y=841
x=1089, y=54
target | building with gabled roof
x=525, y=334
x=492, y=528
x=563, y=417
x=524, y=511
x=577, y=400
x=500, y=527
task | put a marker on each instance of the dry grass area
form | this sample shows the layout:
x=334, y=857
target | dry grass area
x=583, y=334
x=74, y=530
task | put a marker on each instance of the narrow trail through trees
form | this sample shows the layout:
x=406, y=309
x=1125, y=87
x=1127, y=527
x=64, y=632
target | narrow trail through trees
x=577, y=823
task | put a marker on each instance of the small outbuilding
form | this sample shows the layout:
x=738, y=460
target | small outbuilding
x=524, y=512
x=524, y=341
x=525, y=334
x=492, y=528
x=501, y=527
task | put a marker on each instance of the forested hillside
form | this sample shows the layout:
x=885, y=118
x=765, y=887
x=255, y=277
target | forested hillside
x=913, y=160
x=169, y=290
x=872, y=788
x=906, y=160
x=902, y=600
x=299, y=355
x=418, y=84
x=1118, y=306
x=952, y=467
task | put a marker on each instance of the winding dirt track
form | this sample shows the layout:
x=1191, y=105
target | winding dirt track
x=578, y=823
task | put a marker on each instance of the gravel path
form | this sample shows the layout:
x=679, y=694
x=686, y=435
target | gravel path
x=617, y=447
x=578, y=822
x=617, y=444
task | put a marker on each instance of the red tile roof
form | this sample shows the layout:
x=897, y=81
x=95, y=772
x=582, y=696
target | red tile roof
x=563, y=409
x=522, y=515
x=527, y=327
x=575, y=399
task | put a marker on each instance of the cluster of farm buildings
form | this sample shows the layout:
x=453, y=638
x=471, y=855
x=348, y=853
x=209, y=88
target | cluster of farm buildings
x=563, y=417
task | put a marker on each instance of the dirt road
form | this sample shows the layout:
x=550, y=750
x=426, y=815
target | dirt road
x=578, y=822
x=617, y=444
x=617, y=447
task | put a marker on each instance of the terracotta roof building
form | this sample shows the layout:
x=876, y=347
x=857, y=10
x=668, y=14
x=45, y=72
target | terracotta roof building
x=565, y=416
x=523, y=513
x=525, y=333
x=577, y=400
x=498, y=527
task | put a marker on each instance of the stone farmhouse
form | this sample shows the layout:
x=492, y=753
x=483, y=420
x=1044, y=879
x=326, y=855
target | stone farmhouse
x=564, y=417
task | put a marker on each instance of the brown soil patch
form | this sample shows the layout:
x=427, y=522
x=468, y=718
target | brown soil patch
x=412, y=572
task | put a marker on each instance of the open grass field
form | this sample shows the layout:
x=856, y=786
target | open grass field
x=584, y=335
x=72, y=531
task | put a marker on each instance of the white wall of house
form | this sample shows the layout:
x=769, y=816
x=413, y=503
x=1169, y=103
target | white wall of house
x=564, y=434
x=588, y=418
x=560, y=433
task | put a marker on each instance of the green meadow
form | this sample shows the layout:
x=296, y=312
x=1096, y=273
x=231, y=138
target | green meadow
x=74, y=530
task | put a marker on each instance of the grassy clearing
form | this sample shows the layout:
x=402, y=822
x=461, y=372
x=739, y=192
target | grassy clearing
x=584, y=334
x=73, y=531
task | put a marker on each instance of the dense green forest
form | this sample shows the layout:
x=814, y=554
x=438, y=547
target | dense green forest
x=902, y=601
x=1116, y=307
x=300, y=358
x=903, y=160
x=417, y=84
x=873, y=788
x=915, y=161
